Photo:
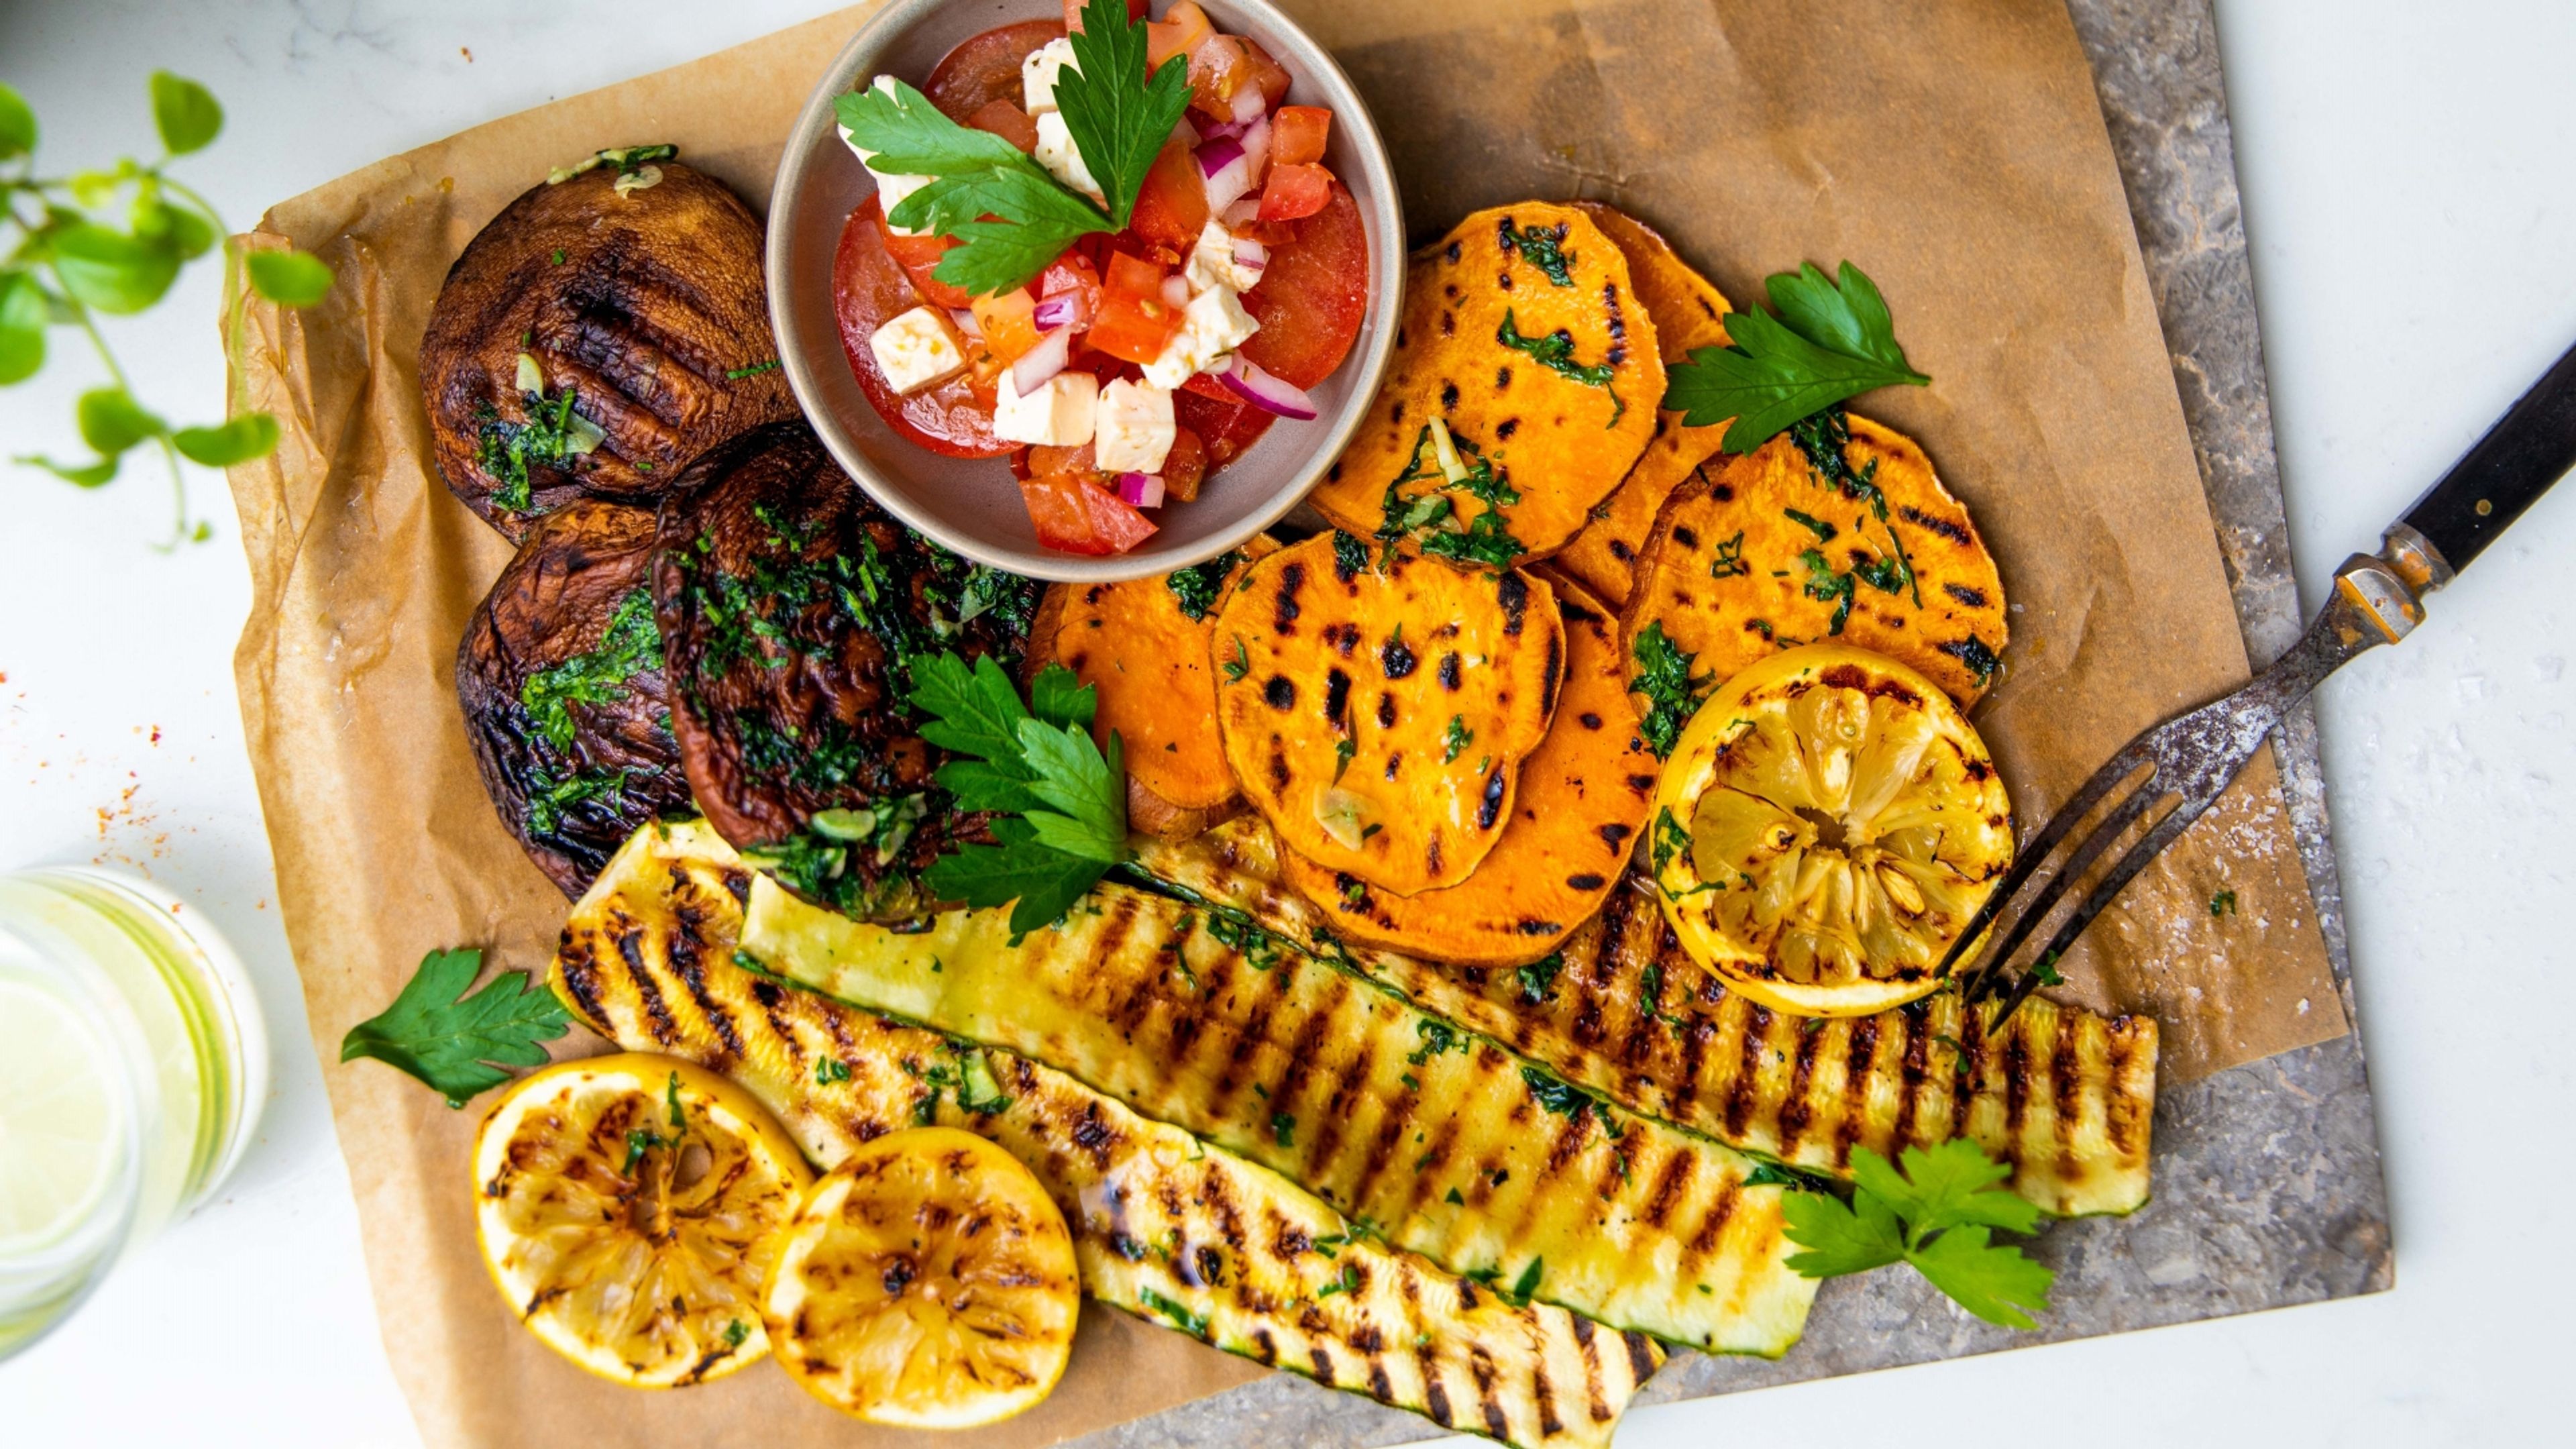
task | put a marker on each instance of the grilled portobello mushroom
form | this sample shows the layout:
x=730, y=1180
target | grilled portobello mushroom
x=595, y=337
x=790, y=606
x=560, y=677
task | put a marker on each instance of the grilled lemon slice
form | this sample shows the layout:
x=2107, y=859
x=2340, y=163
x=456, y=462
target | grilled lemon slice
x=928, y=1282
x=626, y=1206
x=1824, y=830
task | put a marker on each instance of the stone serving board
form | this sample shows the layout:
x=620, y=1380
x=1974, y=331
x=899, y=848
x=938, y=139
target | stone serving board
x=2267, y=1178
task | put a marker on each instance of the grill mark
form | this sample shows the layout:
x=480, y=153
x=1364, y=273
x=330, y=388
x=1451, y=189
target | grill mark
x=1381, y=1388
x=630, y=949
x=1265, y=1350
x=1941, y=526
x=1380, y=1155
x=1796, y=1111
x=1322, y=1360
x=1857, y=1075
x=1596, y=1404
x=1703, y=1241
x=1435, y=1401
x=1549, y=1425
x=686, y=951
x=1910, y=1092
x=1480, y=1367
x=1570, y=1137
x=646, y=364
x=1303, y=1049
x=1641, y=1356
x=2120, y=1116
x=1668, y=1189
x=1748, y=1065
x=2066, y=1073
x=2017, y=1094
x=1964, y=1094
x=580, y=974
x=1352, y=1079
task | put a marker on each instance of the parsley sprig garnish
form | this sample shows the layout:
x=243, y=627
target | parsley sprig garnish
x=1672, y=691
x=1937, y=1215
x=1830, y=342
x=1061, y=804
x=452, y=1041
x=1011, y=215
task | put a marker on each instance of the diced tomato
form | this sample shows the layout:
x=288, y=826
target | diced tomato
x=1134, y=322
x=1008, y=323
x=919, y=257
x=1075, y=515
x=1298, y=134
x=1295, y=192
x=985, y=68
x=1177, y=33
x=1184, y=466
x=1073, y=12
x=1006, y=120
x=1219, y=67
x=1173, y=205
x=870, y=290
x=1224, y=429
x=1046, y=459
x=1313, y=296
x=1266, y=73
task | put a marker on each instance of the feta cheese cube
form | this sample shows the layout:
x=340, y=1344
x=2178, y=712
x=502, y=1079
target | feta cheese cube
x=1135, y=428
x=1212, y=261
x=1038, y=74
x=892, y=187
x=1212, y=326
x=915, y=350
x=1059, y=413
x=1063, y=159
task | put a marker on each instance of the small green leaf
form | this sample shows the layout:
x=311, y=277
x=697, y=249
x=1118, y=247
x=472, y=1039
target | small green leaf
x=17, y=123
x=449, y=1040
x=178, y=226
x=252, y=435
x=90, y=475
x=111, y=421
x=116, y=273
x=290, y=279
x=23, y=314
x=185, y=112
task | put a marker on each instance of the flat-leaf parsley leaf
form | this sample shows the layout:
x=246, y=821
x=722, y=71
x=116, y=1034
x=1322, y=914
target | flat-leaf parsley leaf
x=449, y=1040
x=1938, y=1214
x=1829, y=343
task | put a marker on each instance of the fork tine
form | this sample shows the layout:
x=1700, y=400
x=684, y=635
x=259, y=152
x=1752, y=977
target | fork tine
x=2175, y=822
x=2090, y=849
x=2119, y=767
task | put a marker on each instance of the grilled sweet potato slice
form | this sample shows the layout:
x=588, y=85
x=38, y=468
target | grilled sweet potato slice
x=1523, y=387
x=1688, y=311
x=1145, y=645
x=1583, y=795
x=644, y=319
x=560, y=678
x=789, y=605
x=1376, y=709
x=1818, y=535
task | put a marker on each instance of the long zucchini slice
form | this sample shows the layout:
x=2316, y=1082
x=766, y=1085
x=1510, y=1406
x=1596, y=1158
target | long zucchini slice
x=1445, y=1143
x=2064, y=1095
x=1165, y=1227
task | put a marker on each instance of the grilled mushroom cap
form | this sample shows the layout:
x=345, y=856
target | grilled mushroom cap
x=789, y=604
x=560, y=677
x=646, y=307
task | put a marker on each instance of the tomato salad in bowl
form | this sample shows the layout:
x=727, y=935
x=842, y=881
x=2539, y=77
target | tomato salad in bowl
x=1106, y=249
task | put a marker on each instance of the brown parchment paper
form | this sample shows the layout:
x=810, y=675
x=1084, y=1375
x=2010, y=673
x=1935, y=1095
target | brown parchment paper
x=1953, y=150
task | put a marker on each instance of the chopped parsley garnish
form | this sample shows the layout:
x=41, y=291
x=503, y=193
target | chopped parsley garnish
x=1972, y=652
x=1438, y=1037
x=1671, y=840
x=1555, y=352
x=1729, y=562
x=1193, y=1324
x=1453, y=1199
x=1194, y=589
x=1823, y=437
x=737, y=374
x=450, y=1041
x=1565, y=1099
x=1538, y=978
x=601, y=674
x=1240, y=665
x=550, y=795
x=1283, y=1129
x=552, y=437
x=2223, y=903
x=1542, y=247
x=1827, y=586
x=1526, y=1286
x=1823, y=531
x=1938, y=1214
x=1456, y=739
x=1830, y=342
x=1672, y=692
x=1429, y=518
x=1347, y=1281
x=828, y=1070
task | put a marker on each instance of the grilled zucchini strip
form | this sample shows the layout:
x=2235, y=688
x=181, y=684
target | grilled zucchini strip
x=1165, y=1227
x=2064, y=1095
x=1447, y=1144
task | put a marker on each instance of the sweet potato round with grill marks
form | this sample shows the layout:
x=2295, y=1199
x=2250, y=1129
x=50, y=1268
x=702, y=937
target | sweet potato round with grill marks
x=647, y=308
x=1376, y=710
x=789, y=604
x=1522, y=337
x=1688, y=311
x=560, y=679
x=1144, y=645
x=1765, y=552
x=1583, y=795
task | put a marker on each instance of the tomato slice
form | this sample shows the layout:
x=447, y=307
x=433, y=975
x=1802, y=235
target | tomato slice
x=1006, y=120
x=1294, y=193
x=1298, y=134
x=1177, y=33
x=1313, y=296
x=1224, y=428
x=985, y=68
x=869, y=290
x=919, y=257
x=1134, y=321
x=1172, y=207
x=1075, y=515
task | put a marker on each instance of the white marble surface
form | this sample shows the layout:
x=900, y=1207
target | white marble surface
x=2405, y=174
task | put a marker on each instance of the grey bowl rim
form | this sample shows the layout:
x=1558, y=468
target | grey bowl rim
x=815, y=130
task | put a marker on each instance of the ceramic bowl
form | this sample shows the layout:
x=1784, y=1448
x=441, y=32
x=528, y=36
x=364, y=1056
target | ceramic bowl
x=972, y=505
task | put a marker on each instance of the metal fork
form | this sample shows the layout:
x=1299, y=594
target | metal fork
x=2189, y=759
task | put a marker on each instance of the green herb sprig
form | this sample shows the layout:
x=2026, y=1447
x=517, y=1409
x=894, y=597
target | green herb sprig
x=111, y=242
x=1830, y=343
x=455, y=1043
x=1938, y=1214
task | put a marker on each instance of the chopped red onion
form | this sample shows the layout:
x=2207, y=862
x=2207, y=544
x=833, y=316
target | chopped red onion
x=1226, y=173
x=1042, y=362
x=964, y=317
x=1241, y=214
x=1214, y=156
x=1256, y=150
x=1184, y=132
x=1061, y=309
x=1221, y=130
x=1248, y=104
x=1250, y=255
x=1246, y=380
x=1176, y=290
x=1141, y=490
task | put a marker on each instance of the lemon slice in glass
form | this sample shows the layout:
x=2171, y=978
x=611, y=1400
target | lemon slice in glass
x=627, y=1207
x=1824, y=829
x=928, y=1282
x=61, y=1119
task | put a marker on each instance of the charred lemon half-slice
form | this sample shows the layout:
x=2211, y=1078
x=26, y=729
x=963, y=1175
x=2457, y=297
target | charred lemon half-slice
x=1825, y=828
x=927, y=1282
x=626, y=1206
